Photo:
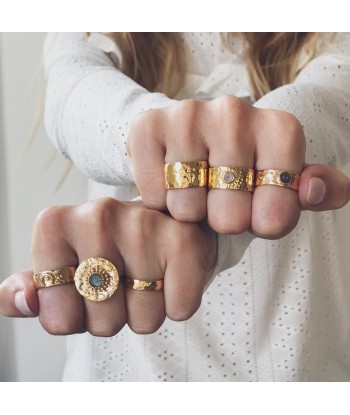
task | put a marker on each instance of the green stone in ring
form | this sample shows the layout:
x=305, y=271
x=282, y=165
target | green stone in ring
x=96, y=280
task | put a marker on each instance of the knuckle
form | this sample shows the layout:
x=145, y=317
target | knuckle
x=286, y=125
x=185, y=117
x=99, y=330
x=97, y=215
x=145, y=124
x=143, y=224
x=146, y=327
x=61, y=327
x=229, y=224
x=188, y=107
x=50, y=221
x=50, y=217
x=272, y=224
x=185, y=213
x=187, y=205
x=230, y=105
x=184, y=310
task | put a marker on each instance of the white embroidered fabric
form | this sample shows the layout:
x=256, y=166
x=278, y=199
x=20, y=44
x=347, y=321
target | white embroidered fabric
x=277, y=310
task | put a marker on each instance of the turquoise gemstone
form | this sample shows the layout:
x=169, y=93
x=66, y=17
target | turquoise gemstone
x=96, y=280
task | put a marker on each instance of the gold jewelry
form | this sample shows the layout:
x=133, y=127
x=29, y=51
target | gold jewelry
x=54, y=277
x=96, y=279
x=182, y=175
x=278, y=178
x=233, y=178
x=144, y=285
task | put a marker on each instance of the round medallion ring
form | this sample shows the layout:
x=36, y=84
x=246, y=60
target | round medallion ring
x=96, y=279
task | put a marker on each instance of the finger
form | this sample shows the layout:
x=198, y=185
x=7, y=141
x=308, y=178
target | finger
x=323, y=187
x=229, y=211
x=102, y=318
x=280, y=146
x=187, y=265
x=146, y=261
x=61, y=307
x=18, y=297
x=147, y=155
x=185, y=144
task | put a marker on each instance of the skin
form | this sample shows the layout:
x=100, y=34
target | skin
x=144, y=242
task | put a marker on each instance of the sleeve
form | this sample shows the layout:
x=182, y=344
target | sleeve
x=320, y=99
x=90, y=104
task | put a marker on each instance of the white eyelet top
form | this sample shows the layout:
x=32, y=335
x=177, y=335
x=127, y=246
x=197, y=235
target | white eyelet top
x=277, y=310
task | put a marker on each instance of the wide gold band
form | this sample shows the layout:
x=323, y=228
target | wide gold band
x=144, y=285
x=53, y=277
x=278, y=178
x=182, y=175
x=232, y=178
x=96, y=279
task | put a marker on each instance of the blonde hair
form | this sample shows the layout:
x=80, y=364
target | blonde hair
x=157, y=60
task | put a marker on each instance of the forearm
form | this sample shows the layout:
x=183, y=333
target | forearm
x=320, y=99
x=89, y=107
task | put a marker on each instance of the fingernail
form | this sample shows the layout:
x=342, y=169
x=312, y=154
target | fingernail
x=21, y=304
x=317, y=191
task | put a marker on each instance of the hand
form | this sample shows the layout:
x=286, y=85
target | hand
x=226, y=132
x=141, y=243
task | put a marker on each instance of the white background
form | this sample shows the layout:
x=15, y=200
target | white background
x=27, y=353
x=36, y=356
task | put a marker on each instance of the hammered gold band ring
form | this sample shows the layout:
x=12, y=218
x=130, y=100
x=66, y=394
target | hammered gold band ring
x=144, y=285
x=55, y=277
x=278, y=178
x=183, y=175
x=232, y=178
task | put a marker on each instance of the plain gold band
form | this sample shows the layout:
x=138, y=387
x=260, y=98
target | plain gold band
x=280, y=178
x=232, y=178
x=183, y=175
x=144, y=285
x=54, y=277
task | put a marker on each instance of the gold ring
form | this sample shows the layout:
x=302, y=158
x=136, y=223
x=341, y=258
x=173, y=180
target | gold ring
x=54, y=277
x=96, y=279
x=232, y=178
x=179, y=175
x=144, y=285
x=278, y=178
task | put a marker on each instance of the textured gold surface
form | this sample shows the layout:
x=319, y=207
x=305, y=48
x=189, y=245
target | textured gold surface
x=179, y=175
x=99, y=266
x=232, y=178
x=274, y=177
x=143, y=285
x=54, y=277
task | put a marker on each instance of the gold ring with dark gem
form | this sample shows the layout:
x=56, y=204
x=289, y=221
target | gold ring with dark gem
x=281, y=178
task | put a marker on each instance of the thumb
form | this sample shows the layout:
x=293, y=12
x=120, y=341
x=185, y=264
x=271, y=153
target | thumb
x=18, y=297
x=323, y=187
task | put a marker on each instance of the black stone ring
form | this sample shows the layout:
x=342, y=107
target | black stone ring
x=277, y=178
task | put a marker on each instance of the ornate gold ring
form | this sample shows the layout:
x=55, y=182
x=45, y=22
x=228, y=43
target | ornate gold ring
x=232, y=178
x=144, y=285
x=278, y=178
x=53, y=277
x=182, y=175
x=96, y=279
